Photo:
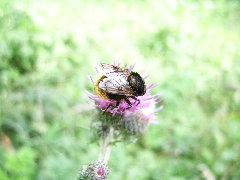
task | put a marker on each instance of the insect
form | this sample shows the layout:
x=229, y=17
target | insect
x=119, y=84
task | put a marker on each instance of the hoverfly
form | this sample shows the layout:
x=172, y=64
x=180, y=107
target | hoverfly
x=119, y=84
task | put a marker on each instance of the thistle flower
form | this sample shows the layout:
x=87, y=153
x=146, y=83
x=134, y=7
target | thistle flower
x=115, y=106
x=96, y=170
x=125, y=107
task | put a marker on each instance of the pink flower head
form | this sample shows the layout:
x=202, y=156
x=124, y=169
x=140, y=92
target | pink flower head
x=146, y=103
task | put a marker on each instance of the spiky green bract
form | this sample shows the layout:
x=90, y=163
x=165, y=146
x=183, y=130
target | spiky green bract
x=133, y=123
x=102, y=122
x=96, y=170
x=126, y=127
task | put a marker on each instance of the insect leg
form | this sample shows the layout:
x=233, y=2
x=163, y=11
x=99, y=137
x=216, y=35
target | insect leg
x=133, y=97
x=117, y=104
x=110, y=105
x=129, y=103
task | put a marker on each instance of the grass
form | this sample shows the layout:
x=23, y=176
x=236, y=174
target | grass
x=190, y=48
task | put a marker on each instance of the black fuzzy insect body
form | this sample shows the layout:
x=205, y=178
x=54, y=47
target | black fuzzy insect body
x=137, y=84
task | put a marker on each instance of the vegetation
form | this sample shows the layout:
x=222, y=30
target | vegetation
x=190, y=48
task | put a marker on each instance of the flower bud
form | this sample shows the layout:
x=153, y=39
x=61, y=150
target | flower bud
x=134, y=123
x=96, y=170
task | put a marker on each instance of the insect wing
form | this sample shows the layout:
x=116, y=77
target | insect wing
x=116, y=85
x=110, y=70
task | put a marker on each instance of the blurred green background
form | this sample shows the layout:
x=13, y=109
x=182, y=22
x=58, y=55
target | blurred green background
x=189, y=47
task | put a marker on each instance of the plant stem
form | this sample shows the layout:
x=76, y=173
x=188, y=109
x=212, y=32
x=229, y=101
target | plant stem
x=106, y=147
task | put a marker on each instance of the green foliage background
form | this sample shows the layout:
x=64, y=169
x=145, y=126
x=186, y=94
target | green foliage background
x=191, y=48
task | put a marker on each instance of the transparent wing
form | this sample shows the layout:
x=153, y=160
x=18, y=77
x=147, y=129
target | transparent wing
x=110, y=70
x=116, y=85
